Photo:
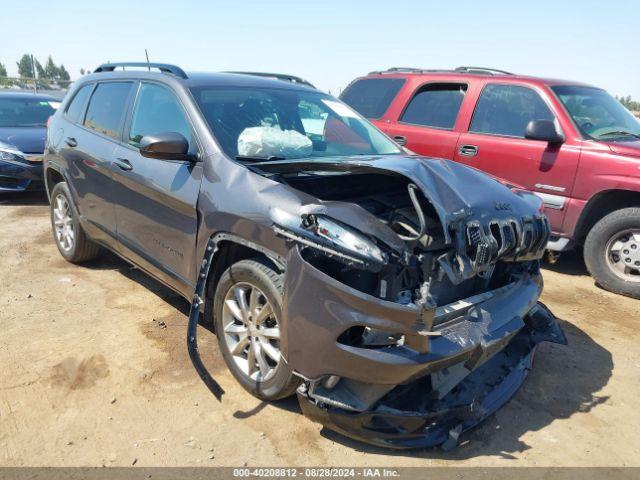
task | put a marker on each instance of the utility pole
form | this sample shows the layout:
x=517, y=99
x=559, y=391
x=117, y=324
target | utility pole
x=33, y=72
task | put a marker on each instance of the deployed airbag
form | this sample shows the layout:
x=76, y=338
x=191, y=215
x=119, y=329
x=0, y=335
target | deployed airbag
x=268, y=141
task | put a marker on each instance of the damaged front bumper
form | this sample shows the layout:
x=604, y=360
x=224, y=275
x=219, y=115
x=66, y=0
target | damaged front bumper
x=440, y=379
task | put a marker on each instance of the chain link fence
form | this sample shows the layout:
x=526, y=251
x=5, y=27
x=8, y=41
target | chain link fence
x=49, y=86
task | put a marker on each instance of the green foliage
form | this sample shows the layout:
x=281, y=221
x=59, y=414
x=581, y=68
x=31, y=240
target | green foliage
x=63, y=74
x=25, y=67
x=50, y=69
x=39, y=69
x=632, y=105
x=3, y=70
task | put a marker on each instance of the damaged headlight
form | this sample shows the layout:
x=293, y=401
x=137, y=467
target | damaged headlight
x=330, y=237
x=345, y=238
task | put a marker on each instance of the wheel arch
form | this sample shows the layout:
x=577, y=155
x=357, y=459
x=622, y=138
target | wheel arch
x=602, y=204
x=52, y=176
x=228, y=250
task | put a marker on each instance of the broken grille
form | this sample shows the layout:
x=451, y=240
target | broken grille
x=506, y=239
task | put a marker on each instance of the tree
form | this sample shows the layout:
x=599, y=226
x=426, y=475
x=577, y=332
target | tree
x=3, y=70
x=63, y=74
x=25, y=66
x=82, y=71
x=50, y=69
x=39, y=68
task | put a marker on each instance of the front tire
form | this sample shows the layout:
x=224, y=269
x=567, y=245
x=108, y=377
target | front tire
x=612, y=252
x=73, y=244
x=247, y=309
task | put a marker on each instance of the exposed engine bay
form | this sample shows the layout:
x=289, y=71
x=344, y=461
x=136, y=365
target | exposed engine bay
x=481, y=259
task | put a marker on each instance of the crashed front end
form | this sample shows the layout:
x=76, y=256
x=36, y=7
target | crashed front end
x=411, y=296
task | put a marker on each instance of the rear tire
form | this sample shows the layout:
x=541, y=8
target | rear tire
x=247, y=309
x=612, y=252
x=71, y=240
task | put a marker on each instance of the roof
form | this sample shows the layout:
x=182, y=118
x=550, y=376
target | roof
x=27, y=96
x=172, y=73
x=471, y=73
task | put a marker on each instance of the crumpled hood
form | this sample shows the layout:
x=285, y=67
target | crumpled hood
x=456, y=191
x=630, y=148
x=25, y=139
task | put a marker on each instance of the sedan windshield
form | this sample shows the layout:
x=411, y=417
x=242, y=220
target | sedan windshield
x=26, y=112
x=597, y=114
x=272, y=123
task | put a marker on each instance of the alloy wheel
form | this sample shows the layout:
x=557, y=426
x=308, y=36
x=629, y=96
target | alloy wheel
x=251, y=331
x=63, y=223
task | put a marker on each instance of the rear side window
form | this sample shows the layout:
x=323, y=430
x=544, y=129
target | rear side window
x=76, y=107
x=435, y=105
x=106, y=107
x=507, y=109
x=371, y=97
x=157, y=111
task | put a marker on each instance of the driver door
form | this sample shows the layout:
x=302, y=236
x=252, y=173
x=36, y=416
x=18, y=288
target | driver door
x=156, y=203
x=495, y=143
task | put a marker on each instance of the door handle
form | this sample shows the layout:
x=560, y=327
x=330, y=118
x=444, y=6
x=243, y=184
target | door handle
x=72, y=142
x=400, y=140
x=123, y=164
x=468, y=150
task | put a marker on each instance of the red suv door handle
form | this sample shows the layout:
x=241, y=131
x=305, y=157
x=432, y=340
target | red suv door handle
x=468, y=150
x=400, y=140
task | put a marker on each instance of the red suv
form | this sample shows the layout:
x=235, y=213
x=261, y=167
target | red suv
x=572, y=144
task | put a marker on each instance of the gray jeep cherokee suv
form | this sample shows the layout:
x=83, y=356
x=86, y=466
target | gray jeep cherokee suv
x=396, y=294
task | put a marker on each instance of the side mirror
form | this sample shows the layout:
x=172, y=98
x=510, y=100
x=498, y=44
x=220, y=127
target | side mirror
x=544, y=130
x=165, y=146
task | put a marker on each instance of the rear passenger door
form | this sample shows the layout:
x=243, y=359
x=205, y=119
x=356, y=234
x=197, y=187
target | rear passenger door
x=426, y=125
x=371, y=97
x=90, y=138
x=156, y=208
x=495, y=143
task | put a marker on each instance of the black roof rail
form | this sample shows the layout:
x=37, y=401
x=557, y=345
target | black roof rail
x=280, y=76
x=163, y=67
x=490, y=71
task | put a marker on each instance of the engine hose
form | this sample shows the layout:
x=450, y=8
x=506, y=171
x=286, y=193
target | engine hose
x=194, y=317
x=412, y=188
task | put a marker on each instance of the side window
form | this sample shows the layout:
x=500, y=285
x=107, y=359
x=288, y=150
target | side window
x=371, y=97
x=106, y=108
x=157, y=110
x=507, y=109
x=435, y=105
x=76, y=107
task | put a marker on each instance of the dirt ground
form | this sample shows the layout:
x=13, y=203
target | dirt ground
x=95, y=371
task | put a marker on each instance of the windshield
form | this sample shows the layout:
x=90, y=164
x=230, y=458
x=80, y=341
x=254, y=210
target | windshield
x=597, y=114
x=285, y=123
x=26, y=112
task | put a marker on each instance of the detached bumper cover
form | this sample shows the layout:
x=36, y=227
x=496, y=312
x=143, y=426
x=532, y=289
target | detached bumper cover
x=475, y=359
x=440, y=422
x=19, y=176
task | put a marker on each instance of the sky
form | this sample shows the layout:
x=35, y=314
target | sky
x=332, y=42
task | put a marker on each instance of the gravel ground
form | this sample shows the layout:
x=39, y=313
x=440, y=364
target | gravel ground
x=95, y=371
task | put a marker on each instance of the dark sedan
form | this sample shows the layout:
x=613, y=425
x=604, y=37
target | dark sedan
x=23, y=130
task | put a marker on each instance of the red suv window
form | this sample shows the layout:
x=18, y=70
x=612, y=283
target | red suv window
x=435, y=105
x=507, y=109
x=372, y=96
